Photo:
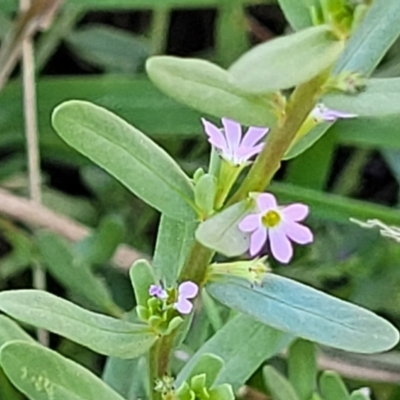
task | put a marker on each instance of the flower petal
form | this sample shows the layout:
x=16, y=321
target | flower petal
x=183, y=305
x=281, y=248
x=233, y=134
x=298, y=233
x=250, y=223
x=295, y=212
x=266, y=201
x=333, y=115
x=243, y=154
x=215, y=136
x=188, y=290
x=157, y=291
x=253, y=136
x=257, y=240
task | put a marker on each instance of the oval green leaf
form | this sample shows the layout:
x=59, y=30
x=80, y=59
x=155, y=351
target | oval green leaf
x=287, y=61
x=206, y=87
x=307, y=313
x=221, y=232
x=127, y=154
x=10, y=330
x=279, y=386
x=43, y=374
x=102, y=334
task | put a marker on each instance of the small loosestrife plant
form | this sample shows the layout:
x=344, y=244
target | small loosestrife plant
x=221, y=231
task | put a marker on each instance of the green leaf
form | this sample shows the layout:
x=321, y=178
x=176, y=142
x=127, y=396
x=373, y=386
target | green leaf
x=99, y=247
x=307, y=313
x=43, y=374
x=127, y=377
x=332, y=387
x=222, y=392
x=174, y=241
x=141, y=274
x=307, y=140
x=207, y=88
x=287, y=61
x=377, y=32
x=359, y=395
x=242, y=341
x=204, y=193
x=10, y=330
x=280, y=387
x=221, y=232
x=380, y=98
x=208, y=364
x=73, y=273
x=128, y=155
x=109, y=48
x=102, y=334
x=302, y=368
x=297, y=12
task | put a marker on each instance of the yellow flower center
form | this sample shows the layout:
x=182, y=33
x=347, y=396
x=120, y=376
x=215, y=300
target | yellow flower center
x=270, y=219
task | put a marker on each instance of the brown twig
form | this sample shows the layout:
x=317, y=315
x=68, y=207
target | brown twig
x=38, y=216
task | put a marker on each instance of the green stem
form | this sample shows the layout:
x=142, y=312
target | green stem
x=280, y=138
x=153, y=360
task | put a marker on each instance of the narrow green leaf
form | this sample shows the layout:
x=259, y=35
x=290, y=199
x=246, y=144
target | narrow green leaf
x=208, y=364
x=204, y=193
x=99, y=247
x=287, y=61
x=372, y=39
x=280, y=387
x=174, y=240
x=128, y=155
x=109, y=48
x=10, y=330
x=73, y=273
x=298, y=12
x=127, y=377
x=102, y=334
x=302, y=368
x=380, y=98
x=332, y=387
x=307, y=313
x=141, y=274
x=222, y=392
x=221, y=232
x=43, y=374
x=207, y=88
x=241, y=342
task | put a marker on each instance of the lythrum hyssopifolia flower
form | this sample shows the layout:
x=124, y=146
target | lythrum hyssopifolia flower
x=180, y=297
x=279, y=225
x=321, y=113
x=229, y=142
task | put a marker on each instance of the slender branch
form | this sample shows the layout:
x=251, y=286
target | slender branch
x=39, y=216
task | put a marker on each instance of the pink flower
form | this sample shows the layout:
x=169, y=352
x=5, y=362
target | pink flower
x=158, y=291
x=229, y=142
x=321, y=113
x=186, y=290
x=278, y=224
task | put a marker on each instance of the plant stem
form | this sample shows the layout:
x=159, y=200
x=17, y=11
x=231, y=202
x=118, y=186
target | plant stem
x=280, y=138
x=152, y=364
x=30, y=116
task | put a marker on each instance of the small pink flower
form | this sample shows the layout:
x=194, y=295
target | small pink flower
x=278, y=224
x=186, y=290
x=158, y=291
x=229, y=142
x=321, y=113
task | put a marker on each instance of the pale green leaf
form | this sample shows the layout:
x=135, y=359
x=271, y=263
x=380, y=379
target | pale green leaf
x=128, y=155
x=242, y=341
x=332, y=387
x=280, y=387
x=142, y=276
x=43, y=374
x=287, y=61
x=307, y=313
x=298, y=12
x=102, y=334
x=10, y=330
x=206, y=87
x=221, y=232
